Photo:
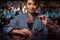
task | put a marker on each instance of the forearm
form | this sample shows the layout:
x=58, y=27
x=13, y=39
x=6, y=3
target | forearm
x=15, y=31
x=52, y=27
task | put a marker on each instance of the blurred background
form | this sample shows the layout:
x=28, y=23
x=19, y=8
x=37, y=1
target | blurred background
x=10, y=9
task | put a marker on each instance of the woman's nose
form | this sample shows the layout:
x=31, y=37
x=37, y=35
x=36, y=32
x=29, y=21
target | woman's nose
x=32, y=6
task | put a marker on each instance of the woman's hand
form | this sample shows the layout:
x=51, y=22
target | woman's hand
x=22, y=31
x=44, y=19
x=26, y=31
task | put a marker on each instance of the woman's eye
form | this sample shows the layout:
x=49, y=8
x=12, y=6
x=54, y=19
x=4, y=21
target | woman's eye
x=29, y=3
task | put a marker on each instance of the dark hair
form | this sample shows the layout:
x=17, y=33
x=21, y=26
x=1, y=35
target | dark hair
x=36, y=1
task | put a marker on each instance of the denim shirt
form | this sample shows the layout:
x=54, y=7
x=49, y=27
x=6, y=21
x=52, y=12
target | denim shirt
x=20, y=22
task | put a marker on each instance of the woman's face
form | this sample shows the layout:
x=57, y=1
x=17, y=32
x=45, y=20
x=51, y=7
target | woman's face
x=31, y=6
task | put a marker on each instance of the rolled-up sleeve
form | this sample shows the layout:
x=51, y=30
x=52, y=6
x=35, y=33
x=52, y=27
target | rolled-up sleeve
x=56, y=25
x=7, y=29
x=11, y=25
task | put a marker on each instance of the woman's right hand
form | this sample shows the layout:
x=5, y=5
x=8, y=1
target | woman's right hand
x=26, y=31
x=22, y=31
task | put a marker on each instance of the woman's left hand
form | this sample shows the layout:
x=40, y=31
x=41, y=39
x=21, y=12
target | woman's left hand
x=44, y=19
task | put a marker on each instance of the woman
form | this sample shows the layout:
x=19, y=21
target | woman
x=30, y=23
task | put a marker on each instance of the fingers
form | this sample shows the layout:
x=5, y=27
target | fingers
x=46, y=18
x=43, y=17
x=26, y=31
x=21, y=32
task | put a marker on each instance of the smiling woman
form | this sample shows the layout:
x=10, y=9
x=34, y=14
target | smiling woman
x=30, y=25
x=32, y=5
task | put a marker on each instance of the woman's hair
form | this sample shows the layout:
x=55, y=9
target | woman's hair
x=35, y=1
